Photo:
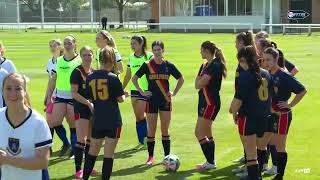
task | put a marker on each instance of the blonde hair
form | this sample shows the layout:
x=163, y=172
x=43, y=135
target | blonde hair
x=57, y=42
x=3, y=49
x=108, y=58
x=26, y=98
x=110, y=40
x=86, y=48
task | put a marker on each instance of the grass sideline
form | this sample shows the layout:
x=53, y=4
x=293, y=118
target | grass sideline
x=29, y=51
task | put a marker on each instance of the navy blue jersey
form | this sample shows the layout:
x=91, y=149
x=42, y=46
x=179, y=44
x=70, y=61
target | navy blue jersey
x=214, y=70
x=283, y=85
x=158, y=78
x=104, y=89
x=256, y=102
x=238, y=71
x=289, y=65
x=79, y=77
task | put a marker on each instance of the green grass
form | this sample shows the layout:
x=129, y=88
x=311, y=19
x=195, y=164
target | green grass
x=30, y=54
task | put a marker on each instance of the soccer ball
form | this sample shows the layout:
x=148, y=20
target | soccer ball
x=171, y=162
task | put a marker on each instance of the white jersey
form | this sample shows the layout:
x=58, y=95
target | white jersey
x=23, y=141
x=8, y=65
x=3, y=74
x=117, y=55
x=51, y=67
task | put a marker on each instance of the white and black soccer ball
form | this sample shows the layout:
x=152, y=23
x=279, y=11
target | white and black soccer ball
x=171, y=162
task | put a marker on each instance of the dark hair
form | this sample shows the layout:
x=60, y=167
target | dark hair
x=217, y=53
x=265, y=43
x=141, y=40
x=73, y=40
x=276, y=54
x=157, y=43
x=249, y=54
x=246, y=38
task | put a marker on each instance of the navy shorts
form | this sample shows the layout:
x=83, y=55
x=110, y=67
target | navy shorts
x=154, y=106
x=82, y=113
x=138, y=95
x=110, y=133
x=281, y=122
x=62, y=100
x=210, y=110
x=252, y=125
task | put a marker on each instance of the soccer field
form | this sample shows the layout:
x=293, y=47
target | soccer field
x=29, y=51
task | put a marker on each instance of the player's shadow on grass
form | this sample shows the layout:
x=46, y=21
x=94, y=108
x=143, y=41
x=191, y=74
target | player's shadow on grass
x=219, y=173
x=56, y=161
x=122, y=154
x=141, y=168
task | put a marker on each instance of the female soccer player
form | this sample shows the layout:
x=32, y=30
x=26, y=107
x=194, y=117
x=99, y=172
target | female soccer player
x=103, y=39
x=243, y=39
x=106, y=92
x=284, y=84
x=158, y=70
x=136, y=59
x=5, y=63
x=208, y=82
x=56, y=48
x=82, y=107
x=25, y=137
x=63, y=105
x=262, y=44
x=251, y=108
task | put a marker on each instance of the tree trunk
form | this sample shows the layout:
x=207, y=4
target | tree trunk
x=121, y=16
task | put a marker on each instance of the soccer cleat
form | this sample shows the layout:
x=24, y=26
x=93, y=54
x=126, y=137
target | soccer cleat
x=243, y=175
x=151, y=160
x=64, y=150
x=71, y=155
x=239, y=169
x=79, y=174
x=271, y=171
x=265, y=167
x=94, y=172
x=241, y=160
x=205, y=166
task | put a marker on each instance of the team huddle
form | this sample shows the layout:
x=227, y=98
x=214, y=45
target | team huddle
x=87, y=92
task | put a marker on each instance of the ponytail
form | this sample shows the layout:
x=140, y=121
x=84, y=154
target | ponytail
x=246, y=38
x=217, y=53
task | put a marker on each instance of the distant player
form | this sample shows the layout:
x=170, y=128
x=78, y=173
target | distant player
x=106, y=92
x=56, y=48
x=24, y=134
x=82, y=107
x=63, y=105
x=103, y=39
x=138, y=101
x=208, y=82
x=3, y=74
x=5, y=63
x=158, y=71
x=284, y=84
x=251, y=109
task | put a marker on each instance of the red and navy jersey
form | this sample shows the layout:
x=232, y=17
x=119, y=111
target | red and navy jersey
x=214, y=70
x=256, y=101
x=104, y=88
x=238, y=71
x=283, y=85
x=158, y=78
x=79, y=77
x=289, y=65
